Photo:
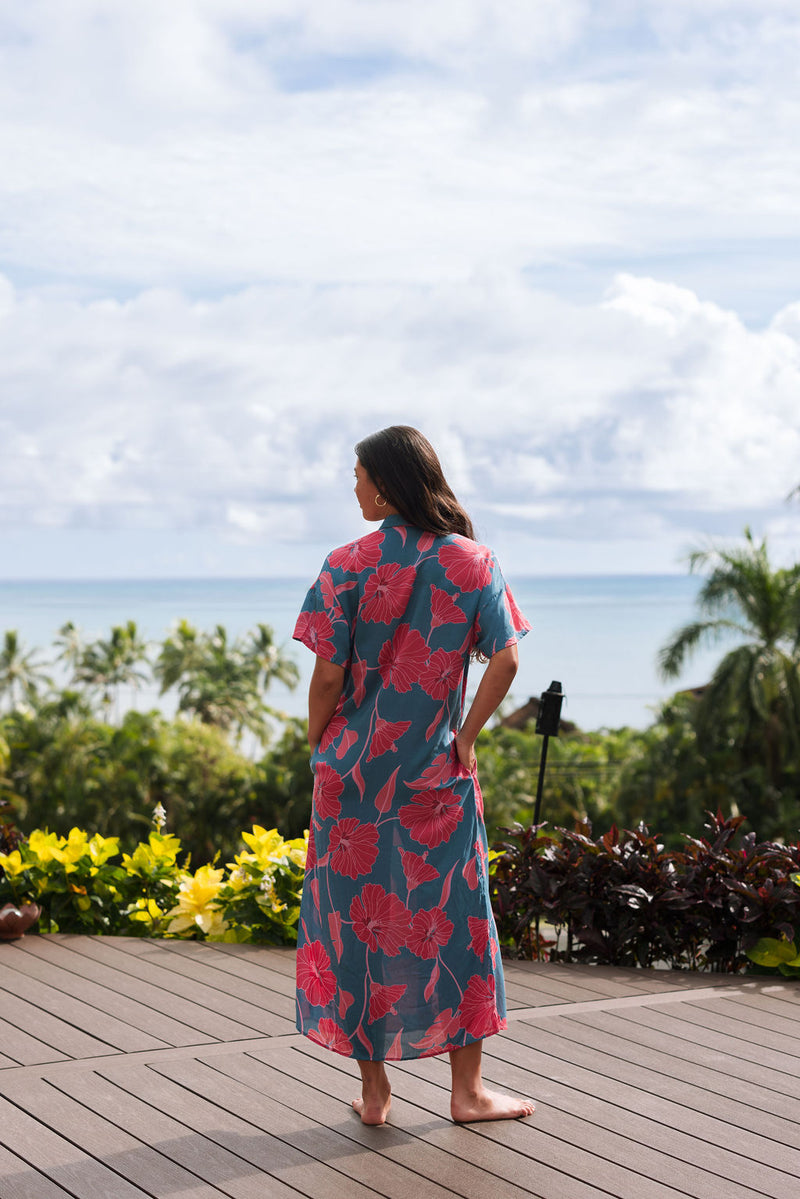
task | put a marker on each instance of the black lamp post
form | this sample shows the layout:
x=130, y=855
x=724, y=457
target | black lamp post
x=547, y=723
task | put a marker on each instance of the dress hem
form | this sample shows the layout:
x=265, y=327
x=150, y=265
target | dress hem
x=434, y=1051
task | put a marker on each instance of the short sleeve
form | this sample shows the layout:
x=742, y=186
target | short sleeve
x=324, y=624
x=499, y=622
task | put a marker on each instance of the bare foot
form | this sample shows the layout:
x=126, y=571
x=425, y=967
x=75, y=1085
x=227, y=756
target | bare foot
x=373, y=1106
x=489, y=1105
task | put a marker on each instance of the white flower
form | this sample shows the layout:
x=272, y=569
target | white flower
x=159, y=816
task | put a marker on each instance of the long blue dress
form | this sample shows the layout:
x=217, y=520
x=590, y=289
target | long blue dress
x=397, y=949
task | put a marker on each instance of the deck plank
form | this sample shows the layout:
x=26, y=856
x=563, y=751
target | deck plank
x=56, y=1020
x=402, y=1145
x=760, y=1162
x=95, y=983
x=132, y=1068
x=704, y=1089
x=199, y=963
x=18, y=1180
x=738, y=1077
x=139, y=1163
x=568, y=1111
x=321, y=1158
x=424, y=1113
x=209, y=1008
x=22, y=1046
x=191, y=1132
x=253, y=963
x=60, y=1160
x=49, y=990
x=671, y=1023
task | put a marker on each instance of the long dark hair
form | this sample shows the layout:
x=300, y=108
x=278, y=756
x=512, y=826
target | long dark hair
x=403, y=464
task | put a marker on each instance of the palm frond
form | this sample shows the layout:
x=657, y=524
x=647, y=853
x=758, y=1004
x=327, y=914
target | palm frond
x=690, y=637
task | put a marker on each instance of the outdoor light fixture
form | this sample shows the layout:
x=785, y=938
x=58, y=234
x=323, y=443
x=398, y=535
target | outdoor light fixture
x=547, y=723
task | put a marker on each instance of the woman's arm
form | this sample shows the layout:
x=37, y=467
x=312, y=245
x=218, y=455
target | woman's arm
x=492, y=689
x=324, y=690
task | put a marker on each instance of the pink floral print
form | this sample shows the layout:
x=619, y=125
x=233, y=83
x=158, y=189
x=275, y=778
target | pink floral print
x=397, y=951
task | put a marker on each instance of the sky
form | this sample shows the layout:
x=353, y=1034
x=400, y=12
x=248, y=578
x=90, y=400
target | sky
x=236, y=236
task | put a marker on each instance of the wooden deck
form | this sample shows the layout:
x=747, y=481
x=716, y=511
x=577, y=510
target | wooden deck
x=172, y=1069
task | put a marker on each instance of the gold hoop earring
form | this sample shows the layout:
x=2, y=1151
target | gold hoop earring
x=380, y=501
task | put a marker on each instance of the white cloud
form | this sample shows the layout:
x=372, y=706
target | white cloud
x=166, y=144
x=238, y=234
x=240, y=415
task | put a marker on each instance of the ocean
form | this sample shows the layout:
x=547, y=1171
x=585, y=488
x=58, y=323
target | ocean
x=597, y=636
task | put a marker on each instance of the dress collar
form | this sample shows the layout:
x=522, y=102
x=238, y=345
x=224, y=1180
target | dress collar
x=395, y=519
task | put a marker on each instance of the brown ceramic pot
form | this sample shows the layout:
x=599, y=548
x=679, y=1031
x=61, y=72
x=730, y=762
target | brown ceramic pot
x=15, y=921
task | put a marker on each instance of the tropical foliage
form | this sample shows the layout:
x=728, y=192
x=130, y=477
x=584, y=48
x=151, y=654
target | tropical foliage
x=86, y=884
x=67, y=768
x=22, y=674
x=222, y=682
x=624, y=900
x=750, y=709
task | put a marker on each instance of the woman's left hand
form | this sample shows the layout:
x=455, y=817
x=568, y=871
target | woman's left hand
x=466, y=753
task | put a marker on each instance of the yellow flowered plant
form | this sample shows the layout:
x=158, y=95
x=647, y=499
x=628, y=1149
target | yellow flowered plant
x=81, y=888
x=102, y=848
x=261, y=898
x=12, y=863
x=44, y=845
x=160, y=851
x=196, y=906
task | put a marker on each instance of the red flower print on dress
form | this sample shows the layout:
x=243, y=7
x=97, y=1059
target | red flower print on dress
x=328, y=786
x=443, y=767
x=479, y=931
x=311, y=851
x=358, y=670
x=330, y=1036
x=349, y=739
x=385, y=735
x=444, y=609
x=442, y=674
x=315, y=630
x=329, y=594
x=386, y=592
x=402, y=660
x=314, y=975
x=436, y=1036
x=466, y=564
x=379, y=919
x=353, y=847
x=430, y=931
x=431, y=816
x=332, y=730
x=335, y=929
x=478, y=1008
x=382, y=999
x=517, y=619
x=416, y=869
x=363, y=554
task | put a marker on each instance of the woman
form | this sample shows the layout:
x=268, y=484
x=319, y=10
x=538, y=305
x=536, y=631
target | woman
x=397, y=951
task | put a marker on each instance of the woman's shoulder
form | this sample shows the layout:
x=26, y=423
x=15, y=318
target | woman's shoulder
x=364, y=553
x=466, y=563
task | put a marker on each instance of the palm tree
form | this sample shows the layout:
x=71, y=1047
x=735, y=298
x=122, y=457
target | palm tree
x=219, y=681
x=181, y=654
x=223, y=689
x=753, y=697
x=272, y=664
x=107, y=665
x=21, y=674
x=70, y=643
